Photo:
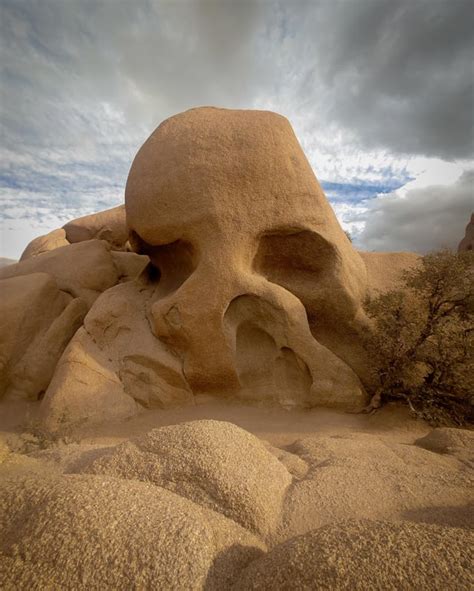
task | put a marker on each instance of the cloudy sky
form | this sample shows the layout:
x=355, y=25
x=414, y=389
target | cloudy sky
x=379, y=92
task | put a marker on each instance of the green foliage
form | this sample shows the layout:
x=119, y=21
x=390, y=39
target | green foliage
x=422, y=343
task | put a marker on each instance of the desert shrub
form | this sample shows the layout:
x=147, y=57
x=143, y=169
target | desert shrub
x=421, y=345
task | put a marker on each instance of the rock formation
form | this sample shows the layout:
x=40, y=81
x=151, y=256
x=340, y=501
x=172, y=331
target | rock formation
x=252, y=290
x=467, y=243
x=83, y=270
x=365, y=555
x=44, y=299
x=204, y=505
x=38, y=320
x=215, y=464
x=109, y=225
x=104, y=533
x=42, y=244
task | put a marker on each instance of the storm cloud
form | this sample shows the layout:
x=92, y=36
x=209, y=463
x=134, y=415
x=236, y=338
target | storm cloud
x=370, y=86
x=420, y=220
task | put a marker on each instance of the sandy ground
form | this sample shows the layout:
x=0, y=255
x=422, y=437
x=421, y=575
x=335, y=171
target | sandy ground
x=355, y=466
x=343, y=466
x=278, y=426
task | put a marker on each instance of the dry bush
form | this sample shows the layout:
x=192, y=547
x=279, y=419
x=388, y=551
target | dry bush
x=422, y=343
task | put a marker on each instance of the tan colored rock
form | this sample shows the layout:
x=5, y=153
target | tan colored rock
x=109, y=225
x=84, y=388
x=129, y=264
x=124, y=366
x=84, y=270
x=297, y=467
x=215, y=464
x=32, y=375
x=444, y=440
x=360, y=555
x=467, y=243
x=385, y=269
x=258, y=289
x=91, y=532
x=42, y=244
x=363, y=475
x=253, y=290
x=37, y=322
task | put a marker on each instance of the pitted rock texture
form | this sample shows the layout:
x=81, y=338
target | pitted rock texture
x=364, y=475
x=114, y=366
x=213, y=463
x=42, y=244
x=96, y=532
x=242, y=284
x=44, y=299
x=84, y=270
x=258, y=288
x=37, y=322
x=109, y=225
x=66, y=529
x=447, y=440
x=361, y=555
x=90, y=392
x=385, y=269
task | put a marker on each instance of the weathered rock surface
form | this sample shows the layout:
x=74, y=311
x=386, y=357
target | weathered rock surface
x=4, y=450
x=247, y=250
x=385, y=269
x=467, y=243
x=42, y=244
x=63, y=529
x=364, y=555
x=95, y=532
x=44, y=299
x=84, y=270
x=213, y=463
x=129, y=264
x=124, y=366
x=446, y=440
x=297, y=467
x=242, y=285
x=109, y=225
x=84, y=387
x=37, y=322
x=366, y=476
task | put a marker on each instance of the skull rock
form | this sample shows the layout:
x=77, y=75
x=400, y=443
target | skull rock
x=256, y=288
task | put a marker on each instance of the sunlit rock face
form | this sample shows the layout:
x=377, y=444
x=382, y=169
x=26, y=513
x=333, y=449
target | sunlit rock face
x=253, y=290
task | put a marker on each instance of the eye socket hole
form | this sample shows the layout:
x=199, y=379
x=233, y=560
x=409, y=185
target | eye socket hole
x=170, y=264
x=294, y=260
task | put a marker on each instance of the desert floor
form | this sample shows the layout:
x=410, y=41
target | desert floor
x=343, y=466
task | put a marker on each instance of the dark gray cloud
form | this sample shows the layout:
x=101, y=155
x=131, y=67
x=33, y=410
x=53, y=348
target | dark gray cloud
x=423, y=219
x=367, y=84
x=397, y=74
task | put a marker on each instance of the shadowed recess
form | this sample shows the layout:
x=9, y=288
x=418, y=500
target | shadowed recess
x=171, y=263
x=265, y=368
x=295, y=260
